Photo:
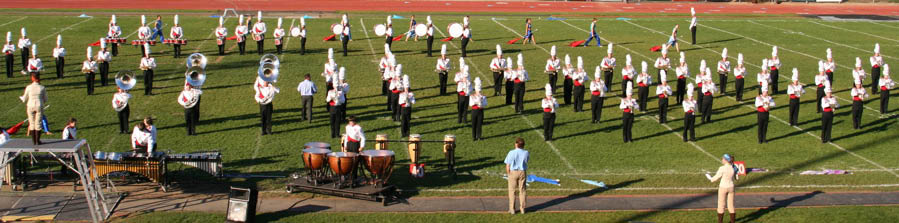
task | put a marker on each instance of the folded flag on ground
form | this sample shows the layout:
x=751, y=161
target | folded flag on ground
x=577, y=43
x=447, y=39
x=514, y=40
x=331, y=37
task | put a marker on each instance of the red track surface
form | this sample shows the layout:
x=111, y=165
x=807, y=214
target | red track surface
x=463, y=6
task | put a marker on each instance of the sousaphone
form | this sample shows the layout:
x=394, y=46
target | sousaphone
x=270, y=59
x=195, y=76
x=196, y=59
x=125, y=80
x=268, y=72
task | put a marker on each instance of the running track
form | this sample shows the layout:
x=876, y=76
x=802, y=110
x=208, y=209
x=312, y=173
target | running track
x=466, y=6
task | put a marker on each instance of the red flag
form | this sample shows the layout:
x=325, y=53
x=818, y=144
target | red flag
x=447, y=39
x=514, y=40
x=655, y=48
x=231, y=38
x=15, y=128
x=398, y=38
x=577, y=43
x=95, y=43
x=331, y=37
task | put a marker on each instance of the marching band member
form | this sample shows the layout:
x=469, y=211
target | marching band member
x=708, y=91
x=241, y=32
x=142, y=139
x=396, y=86
x=578, y=78
x=663, y=91
x=497, y=65
x=628, y=106
x=521, y=76
x=355, y=137
x=549, y=105
x=598, y=94
x=444, y=64
x=388, y=36
x=529, y=34
x=221, y=35
x=885, y=84
x=466, y=36
x=259, y=33
x=628, y=73
x=553, y=64
x=727, y=173
x=764, y=76
x=608, y=67
x=411, y=32
x=35, y=97
x=25, y=45
x=143, y=33
x=334, y=101
x=265, y=94
x=278, y=36
x=477, y=102
x=113, y=32
x=463, y=88
x=820, y=80
x=858, y=100
x=829, y=66
x=70, y=131
x=763, y=104
x=828, y=104
x=60, y=54
x=176, y=33
x=307, y=89
x=739, y=74
x=795, y=91
x=700, y=79
x=345, y=36
x=567, y=83
x=643, y=81
x=103, y=58
x=858, y=72
x=330, y=71
x=35, y=66
x=345, y=89
x=386, y=68
x=302, y=36
x=689, y=110
x=672, y=39
x=662, y=63
x=876, y=62
x=508, y=76
x=190, y=100
x=157, y=31
x=593, y=35
x=430, y=34
x=683, y=72
x=89, y=67
x=9, y=49
x=723, y=69
x=147, y=64
x=120, y=101
x=406, y=100
x=693, y=25
x=774, y=64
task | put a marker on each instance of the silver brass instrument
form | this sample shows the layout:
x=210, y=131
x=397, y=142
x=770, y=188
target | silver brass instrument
x=195, y=76
x=268, y=68
x=196, y=59
x=270, y=59
x=125, y=80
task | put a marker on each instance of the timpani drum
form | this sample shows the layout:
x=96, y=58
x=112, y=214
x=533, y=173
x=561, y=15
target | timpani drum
x=342, y=163
x=381, y=142
x=380, y=29
x=336, y=28
x=319, y=145
x=314, y=158
x=380, y=164
x=421, y=30
x=414, y=147
x=455, y=30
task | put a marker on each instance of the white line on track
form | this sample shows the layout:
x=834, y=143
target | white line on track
x=63, y=29
x=844, y=29
x=774, y=116
x=818, y=38
x=16, y=20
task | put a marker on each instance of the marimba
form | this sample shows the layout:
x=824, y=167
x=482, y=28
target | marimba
x=152, y=167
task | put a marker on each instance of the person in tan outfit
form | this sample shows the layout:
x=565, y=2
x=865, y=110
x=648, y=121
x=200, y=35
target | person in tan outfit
x=727, y=173
x=34, y=98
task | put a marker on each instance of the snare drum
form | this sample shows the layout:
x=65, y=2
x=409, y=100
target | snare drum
x=342, y=163
x=414, y=147
x=381, y=142
x=337, y=29
x=380, y=29
x=421, y=30
x=314, y=158
x=455, y=30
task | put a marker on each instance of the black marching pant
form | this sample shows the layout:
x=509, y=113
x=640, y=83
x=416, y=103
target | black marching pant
x=875, y=79
x=607, y=77
x=90, y=82
x=707, y=108
x=342, y=108
x=763, y=126
x=857, y=110
x=510, y=94
x=104, y=73
x=884, y=101
x=553, y=79
x=681, y=90
x=775, y=74
x=596, y=107
x=26, y=52
x=394, y=99
x=628, y=123
x=384, y=85
x=818, y=98
x=462, y=108
x=689, y=126
x=266, y=111
x=189, y=120
x=334, y=120
x=826, y=126
x=722, y=83
x=566, y=90
x=549, y=122
x=498, y=86
x=307, y=101
x=9, y=64
x=738, y=84
x=464, y=47
x=260, y=46
x=279, y=48
x=794, y=111
x=148, y=82
x=624, y=86
x=242, y=46
x=644, y=97
x=303, y=46
x=430, y=43
x=693, y=34
x=389, y=41
x=345, y=40
x=663, y=110
x=579, y=98
x=830, y=77
x=519, y=97
x=222, y=47
x=699, y=97
x=115, y=49
x=177, y=50
x=60, y=66
x=443, y=76
x=407, y=119
x=123, y=119
x=477, y=121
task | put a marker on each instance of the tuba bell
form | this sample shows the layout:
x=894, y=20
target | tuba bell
x=196, y=59
x=270, y=59
x=125, y=80
x=268, y=72
x=195, y=76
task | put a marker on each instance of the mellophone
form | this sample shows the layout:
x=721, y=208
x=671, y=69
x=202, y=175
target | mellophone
x=175, y=41
x=141, y=42
x=318, y=159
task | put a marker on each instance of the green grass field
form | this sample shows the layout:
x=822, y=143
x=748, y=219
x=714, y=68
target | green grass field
x=658, y=162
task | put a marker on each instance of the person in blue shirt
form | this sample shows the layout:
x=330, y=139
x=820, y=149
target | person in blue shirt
x=516, y=169
x=593, y=34
x=529, y=33
x=157, y=30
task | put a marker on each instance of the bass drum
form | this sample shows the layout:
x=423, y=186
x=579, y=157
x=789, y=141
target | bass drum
x=421, y=30
x=336, y=28
x=295, y=32
x=380, y=29
x=455, y=30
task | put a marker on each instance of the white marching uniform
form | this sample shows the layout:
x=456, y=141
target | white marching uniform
x=24, y=43
x=766, y=102
x=89, y=66
x=141, y=137
x=355, y=133
x=689, y=105
x=189, y=97
x=69, y=133
x=259, y=30
x=662, y=63
x=114, y=31
x=120, y=101
x=598, y=85
x=629, y=104
x=176, y=32
x=608, y=63
x=666, y=90
x=443, y=64
x=143, y=33
x=796, y=89
x=550, y=104
x=59, y=52
x=264, y=93
x=553, y=65
x=147, y=63
x=35, y=65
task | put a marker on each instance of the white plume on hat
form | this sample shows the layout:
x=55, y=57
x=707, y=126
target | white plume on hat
x=764, y=64
x=552, y=51
x=740, y=58
x=876, y=47
x=102, y=43
x=764, y=85
x=341, y=73
x=795, y=75
x=330, y=53
x=302, y=21
x=548, y=89
x=90, y=51
x=630, y=89
x=644, y=66
x=827, y=88
x=280, y=21
x=508, y=62
x=520, y=60
x=176, y=19
x=461, y=59
x=774, y=51
x=829, y=54
x=857, y=80
x=240, y=20
x=147, y=49
x=580, y=63
x=443, y=49
x=23, y=31
x=609, y=51
x=690, y=89
x=664, y=49
x=429, y=20
x=221, y=21
x=406, y=83
x=702, y=65
x=113, y=20
x=820, y=66
x=389, y=20
x=567, y=60
x=8, y=36
x=477, y=84
x=663, y=76
x=708, y=77
x=858, y=62
x=692, y=11
x=258, y=15
x=58, y=40
x=627, y=59
x=683, y=58
x=34, y=50
x=724, y=53
x=499, y=50
x=886, y=70
x=391, y=59
x=597, y=73
x=143, y=20
x=399, y=70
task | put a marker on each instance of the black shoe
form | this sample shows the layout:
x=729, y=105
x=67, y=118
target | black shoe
x=693, y=139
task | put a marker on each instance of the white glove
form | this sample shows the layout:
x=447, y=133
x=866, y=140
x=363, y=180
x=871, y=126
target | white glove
x=707, y=176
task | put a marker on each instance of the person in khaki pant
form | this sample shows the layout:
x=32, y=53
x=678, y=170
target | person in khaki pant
x=516, y=168
x=35, y=97
x=727, y=173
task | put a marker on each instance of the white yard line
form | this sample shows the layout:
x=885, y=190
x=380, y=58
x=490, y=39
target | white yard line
x=10, y=22
x=63, y=29
x=844, y=29
x=533, y=127
x=818, y=38
x=774, y=116
x=370, y=46
x=256, y=151
x=877, y=23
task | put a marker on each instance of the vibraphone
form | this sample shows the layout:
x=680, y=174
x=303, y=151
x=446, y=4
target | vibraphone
x=141, y=42
x=152, y=167
x=208, y=161
x=175, y=41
